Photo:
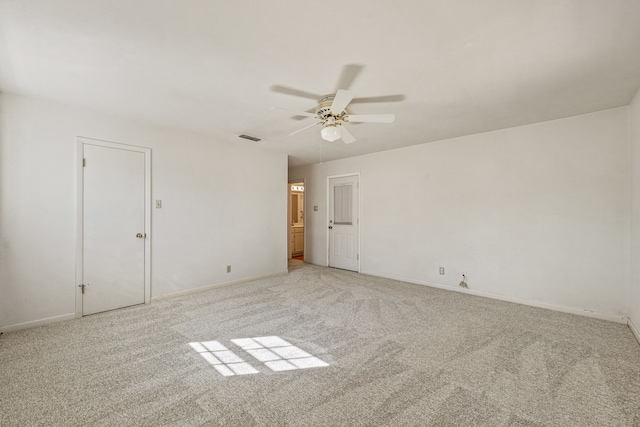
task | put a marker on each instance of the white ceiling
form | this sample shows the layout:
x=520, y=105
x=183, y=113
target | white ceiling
x=212, y=66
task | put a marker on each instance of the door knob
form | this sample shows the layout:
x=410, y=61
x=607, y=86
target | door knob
x=140, y=235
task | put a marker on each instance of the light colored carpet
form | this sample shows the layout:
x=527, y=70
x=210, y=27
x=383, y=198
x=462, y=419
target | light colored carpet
x=398, y=354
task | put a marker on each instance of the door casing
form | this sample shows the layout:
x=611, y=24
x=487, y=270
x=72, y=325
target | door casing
x=80, y=143
x=304, y=216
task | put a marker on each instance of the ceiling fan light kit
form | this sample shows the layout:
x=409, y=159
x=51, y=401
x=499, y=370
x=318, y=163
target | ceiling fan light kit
x=330, y=133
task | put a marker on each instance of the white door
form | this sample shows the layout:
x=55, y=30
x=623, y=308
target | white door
x=343, y=223
x=113, y=228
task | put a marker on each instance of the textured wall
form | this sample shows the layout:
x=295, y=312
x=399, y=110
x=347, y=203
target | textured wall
x=222, y=204
x=634, y=297
x=537, y=213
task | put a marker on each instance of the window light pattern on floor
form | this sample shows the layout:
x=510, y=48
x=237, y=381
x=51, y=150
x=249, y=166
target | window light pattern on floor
x=278, y=354
x=223, y=360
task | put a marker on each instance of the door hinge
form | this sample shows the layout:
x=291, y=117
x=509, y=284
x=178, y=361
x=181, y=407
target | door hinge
x=84, y=163
x=358, y=257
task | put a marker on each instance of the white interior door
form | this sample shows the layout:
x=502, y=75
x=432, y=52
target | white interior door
x=113, y=228
x=343, y=223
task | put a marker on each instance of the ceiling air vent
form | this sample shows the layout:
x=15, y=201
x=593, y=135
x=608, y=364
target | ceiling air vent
x=250, y=138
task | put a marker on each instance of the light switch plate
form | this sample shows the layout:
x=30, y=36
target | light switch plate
x=158, y=204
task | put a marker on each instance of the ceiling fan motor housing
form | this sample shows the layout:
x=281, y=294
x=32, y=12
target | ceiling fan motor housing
x=323, y=110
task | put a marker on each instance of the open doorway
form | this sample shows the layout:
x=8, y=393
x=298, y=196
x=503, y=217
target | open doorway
x=296, y=221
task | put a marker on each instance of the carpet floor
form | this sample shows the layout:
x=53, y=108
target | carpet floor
x=322, y=347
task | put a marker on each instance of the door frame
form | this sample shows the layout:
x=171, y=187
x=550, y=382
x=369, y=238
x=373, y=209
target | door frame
x=304, y=216
x=80, y=143
x=358, y=222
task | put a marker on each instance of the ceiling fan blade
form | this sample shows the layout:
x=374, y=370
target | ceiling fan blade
x=346, y=136
x=295, y=92
x=297, y=113
x=341, y=100
x=370, y=118
x=348, y=75
x=305, y=128
x=373, y=99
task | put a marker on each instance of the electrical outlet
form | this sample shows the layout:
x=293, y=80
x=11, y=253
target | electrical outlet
x=441, y=270
x=228, y=269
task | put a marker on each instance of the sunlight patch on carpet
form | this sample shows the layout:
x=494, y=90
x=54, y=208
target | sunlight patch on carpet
x=222, y=359
x=274, y=352
x=278, y=354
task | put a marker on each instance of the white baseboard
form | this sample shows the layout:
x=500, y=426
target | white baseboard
x=593, y=314
x=635, y=330
x=39, y=322
x=69, y=316
x=563, y=309
x=217, y=285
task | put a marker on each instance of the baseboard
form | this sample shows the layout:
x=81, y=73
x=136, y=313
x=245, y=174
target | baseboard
x=587, y=313
x=39, y=322
x=70, y=316
x=217, y=285
x=635, y=330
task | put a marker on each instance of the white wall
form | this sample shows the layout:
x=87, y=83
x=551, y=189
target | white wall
x=222, y=204
x=634, y=294
x=536, y=213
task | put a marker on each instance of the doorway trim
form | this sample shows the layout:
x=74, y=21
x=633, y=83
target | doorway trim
x=328, y=215
x=304, y=216
x=80, y=143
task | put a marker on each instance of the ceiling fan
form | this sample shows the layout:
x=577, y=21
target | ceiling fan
x=331, y=113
